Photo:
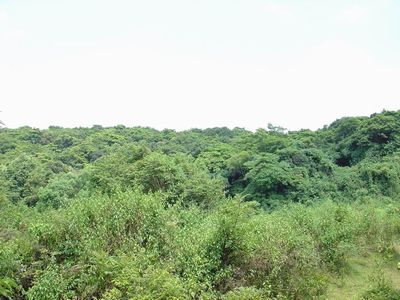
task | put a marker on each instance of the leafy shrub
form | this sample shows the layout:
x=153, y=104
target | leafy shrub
x=50, y=285
x=59, y=190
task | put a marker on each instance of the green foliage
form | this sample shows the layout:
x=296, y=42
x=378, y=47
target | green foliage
x=272, y=179
x=24, y=176
x=136, y=213
x=237, y=168
x=7, y=285
x=59, y=190
x=358, y=138
x=382, y=177
x=158, y=172
x=381, y=288
x=177, y=177
x=50, y=285
x=116, y=170
x=138, y=281
x=246, y=293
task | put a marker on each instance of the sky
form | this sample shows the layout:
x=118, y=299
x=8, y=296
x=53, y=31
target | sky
x=184, y=64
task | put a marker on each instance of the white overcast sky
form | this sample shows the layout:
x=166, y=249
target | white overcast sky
x=204, y=63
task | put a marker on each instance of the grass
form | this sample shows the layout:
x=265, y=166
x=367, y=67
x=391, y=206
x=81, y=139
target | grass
x=357, y=277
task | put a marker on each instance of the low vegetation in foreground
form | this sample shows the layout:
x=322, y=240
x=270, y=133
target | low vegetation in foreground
x=136, y=213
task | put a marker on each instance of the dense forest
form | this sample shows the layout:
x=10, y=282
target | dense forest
x=136, y=213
